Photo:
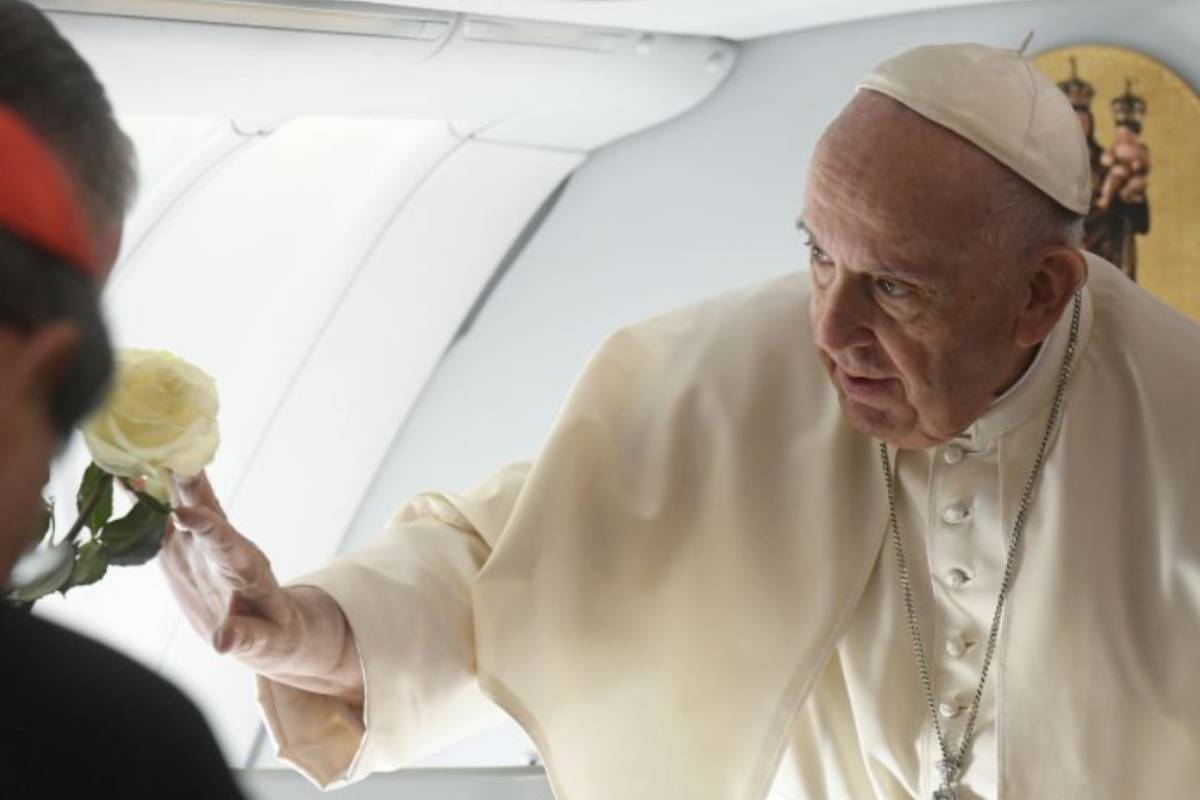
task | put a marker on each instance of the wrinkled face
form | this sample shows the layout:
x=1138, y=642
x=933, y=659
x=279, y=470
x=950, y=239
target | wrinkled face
x=912, y=313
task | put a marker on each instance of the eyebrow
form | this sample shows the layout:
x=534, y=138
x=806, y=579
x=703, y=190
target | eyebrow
x=881, y=269
x=802, y=226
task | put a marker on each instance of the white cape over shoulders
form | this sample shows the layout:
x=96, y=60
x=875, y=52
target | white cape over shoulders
x=655, y=596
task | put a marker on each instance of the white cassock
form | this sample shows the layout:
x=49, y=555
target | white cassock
x=690, y=593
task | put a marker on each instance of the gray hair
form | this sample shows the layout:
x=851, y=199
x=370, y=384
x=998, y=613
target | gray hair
x=45, y=81
x=1027, y=219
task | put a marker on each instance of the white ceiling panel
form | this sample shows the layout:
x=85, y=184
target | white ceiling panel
x=731, y=19
x=515, y=82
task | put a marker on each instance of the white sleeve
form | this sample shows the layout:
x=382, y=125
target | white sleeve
x=407, y=597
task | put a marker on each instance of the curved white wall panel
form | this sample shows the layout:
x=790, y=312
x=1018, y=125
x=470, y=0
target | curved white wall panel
x=385, y=335
x=305, y=480
x=255, y=259
x=173, y=153
x=319, y=273
x=242, y=275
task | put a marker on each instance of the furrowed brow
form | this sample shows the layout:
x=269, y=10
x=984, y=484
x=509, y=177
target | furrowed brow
x=921, y=281
x=802, y=226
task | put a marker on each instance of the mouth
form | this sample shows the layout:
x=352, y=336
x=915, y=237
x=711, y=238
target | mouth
x=861, y=386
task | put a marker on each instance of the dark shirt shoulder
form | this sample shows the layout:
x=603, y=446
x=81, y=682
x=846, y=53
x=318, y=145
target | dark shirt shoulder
x=80, y=720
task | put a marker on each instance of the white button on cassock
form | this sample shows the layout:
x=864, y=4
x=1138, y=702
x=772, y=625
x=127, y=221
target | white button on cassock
x=956, y=645
x=956, y=514
x=949, y=710
x=956, y=578
x=953, y=454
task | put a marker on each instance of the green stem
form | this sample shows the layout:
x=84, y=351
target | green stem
x=86, y=511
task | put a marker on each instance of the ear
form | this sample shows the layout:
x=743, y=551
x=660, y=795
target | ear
x=44, y=358
x=108, y=247
x=1059, y=273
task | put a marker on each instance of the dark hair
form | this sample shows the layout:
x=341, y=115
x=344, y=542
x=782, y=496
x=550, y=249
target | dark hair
x=37, y=289
x=46, y=82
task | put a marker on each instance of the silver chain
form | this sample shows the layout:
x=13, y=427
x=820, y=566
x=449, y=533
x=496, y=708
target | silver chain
x=951, y=765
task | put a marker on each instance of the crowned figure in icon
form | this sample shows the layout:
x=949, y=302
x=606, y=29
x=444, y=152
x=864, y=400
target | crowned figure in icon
x=1120, y=208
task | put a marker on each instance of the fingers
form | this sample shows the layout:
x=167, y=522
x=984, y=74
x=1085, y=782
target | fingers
x=239, y=636
x=236, y=559
x=195, y=600
x=197, y=491
x=242, y=637
x=255, y=640
x=170, y=555
x=226, y=589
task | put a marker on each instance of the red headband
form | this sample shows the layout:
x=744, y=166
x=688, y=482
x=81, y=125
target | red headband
x=36, y=201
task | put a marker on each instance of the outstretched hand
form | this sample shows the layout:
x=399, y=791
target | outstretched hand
x=228, y=592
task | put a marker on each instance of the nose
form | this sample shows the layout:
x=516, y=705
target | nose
x=841, y=314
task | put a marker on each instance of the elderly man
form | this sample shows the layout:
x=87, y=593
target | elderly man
x=919, y=524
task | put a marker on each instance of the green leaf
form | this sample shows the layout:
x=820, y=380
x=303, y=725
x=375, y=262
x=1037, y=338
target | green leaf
x=95, y=490
x=154, y=503
x=136, y=537
x=50, y=581
x=91, y=562
x=148, y=499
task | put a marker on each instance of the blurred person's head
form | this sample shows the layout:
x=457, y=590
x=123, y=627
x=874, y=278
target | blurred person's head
x=55, y=359
x=46, y=82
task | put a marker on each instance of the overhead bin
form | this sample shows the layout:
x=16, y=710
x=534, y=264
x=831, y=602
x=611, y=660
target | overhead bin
x=511, y=81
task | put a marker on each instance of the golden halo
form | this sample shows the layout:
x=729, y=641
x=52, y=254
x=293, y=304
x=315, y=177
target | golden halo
x=1168, y=254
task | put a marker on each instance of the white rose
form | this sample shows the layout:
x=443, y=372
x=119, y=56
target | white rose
x=159, y=417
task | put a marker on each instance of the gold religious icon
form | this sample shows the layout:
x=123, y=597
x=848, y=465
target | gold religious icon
x=1136, y=113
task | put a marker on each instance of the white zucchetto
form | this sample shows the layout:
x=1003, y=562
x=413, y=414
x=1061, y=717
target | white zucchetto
x=1002, y=104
